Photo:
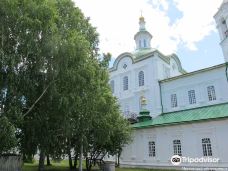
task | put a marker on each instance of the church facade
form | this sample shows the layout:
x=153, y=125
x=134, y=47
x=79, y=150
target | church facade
x=181, y=119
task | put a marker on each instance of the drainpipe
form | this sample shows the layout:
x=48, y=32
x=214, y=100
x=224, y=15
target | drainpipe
x=227, y=71
x=160, y=96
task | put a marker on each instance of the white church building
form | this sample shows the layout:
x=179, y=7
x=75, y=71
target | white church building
x=176, y=112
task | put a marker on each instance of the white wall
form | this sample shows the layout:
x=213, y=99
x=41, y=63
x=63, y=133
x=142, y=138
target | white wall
x=154, y=70
x=198, y=82
x=131, y=97
x=136, y=154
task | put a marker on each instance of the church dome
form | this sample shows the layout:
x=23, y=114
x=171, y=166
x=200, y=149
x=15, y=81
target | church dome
x=142, y=37
x=141, y=19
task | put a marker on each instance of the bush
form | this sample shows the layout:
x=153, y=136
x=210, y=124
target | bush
x=7, y=136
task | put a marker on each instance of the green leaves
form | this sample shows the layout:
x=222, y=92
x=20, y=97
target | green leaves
x=7, y=135
x=54, y=88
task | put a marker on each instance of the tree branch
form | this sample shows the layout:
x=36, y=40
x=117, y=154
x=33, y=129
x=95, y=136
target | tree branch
x=2, y=37
x=37, y=100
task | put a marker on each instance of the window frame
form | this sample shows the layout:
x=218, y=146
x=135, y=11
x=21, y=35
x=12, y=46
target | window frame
x=141, y=78
x=144, y=43
x=206, y=147
x=192, y=96
x=151, y=149
x=177, y=150
x=211, y=93
x=125, y=83
x=174, y=103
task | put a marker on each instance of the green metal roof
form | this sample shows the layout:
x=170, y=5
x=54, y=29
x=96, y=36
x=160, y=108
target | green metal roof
x=143, y=51
x=190, y=115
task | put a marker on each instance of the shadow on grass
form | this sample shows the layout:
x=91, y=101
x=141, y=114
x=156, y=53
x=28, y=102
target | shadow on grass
x=54, y=167
x=141, y=169
x=34, y=167
x=63, y=166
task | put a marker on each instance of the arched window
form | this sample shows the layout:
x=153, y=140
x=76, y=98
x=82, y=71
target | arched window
x=125, y=83
x=144, y=43
x=112, y=85
x=140, y=45
x=206, y=144
x=177, y=147
x=141, y=78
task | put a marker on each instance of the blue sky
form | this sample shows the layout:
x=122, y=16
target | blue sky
x=209, y=53
x=184, y=27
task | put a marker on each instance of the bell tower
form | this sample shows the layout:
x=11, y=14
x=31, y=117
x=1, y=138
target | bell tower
x=221, y=18
x=142, y=37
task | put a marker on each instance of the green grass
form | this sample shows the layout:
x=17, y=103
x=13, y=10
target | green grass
x=56, y=166
x=63, y=166
x=138, y=169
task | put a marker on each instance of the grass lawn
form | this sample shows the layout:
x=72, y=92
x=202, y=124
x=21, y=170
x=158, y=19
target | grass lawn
x=63, y=166
x=130, y=169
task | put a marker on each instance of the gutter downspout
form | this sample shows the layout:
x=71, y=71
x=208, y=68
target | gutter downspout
x=226, y=71
x=161, y=96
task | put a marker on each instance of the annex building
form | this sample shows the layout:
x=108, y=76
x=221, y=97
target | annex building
x=175, y=112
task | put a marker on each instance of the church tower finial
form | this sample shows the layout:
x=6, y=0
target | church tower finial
x=142, y=22
x=142, y=37
x=221, y=18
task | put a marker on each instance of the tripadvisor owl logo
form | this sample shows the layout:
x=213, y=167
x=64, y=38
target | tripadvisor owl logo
x=176, y=160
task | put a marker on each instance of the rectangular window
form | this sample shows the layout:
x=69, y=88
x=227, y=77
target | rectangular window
x=177, y=147
x=125, y=83
x=206, y=145
x=173, y=100
x=211, y=93
x=152, y=152
x=192, y=97
x=144, y=43
x=141, y=78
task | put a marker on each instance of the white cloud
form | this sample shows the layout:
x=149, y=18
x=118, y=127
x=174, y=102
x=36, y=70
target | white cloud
x=197, y=21
x=117, y=22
